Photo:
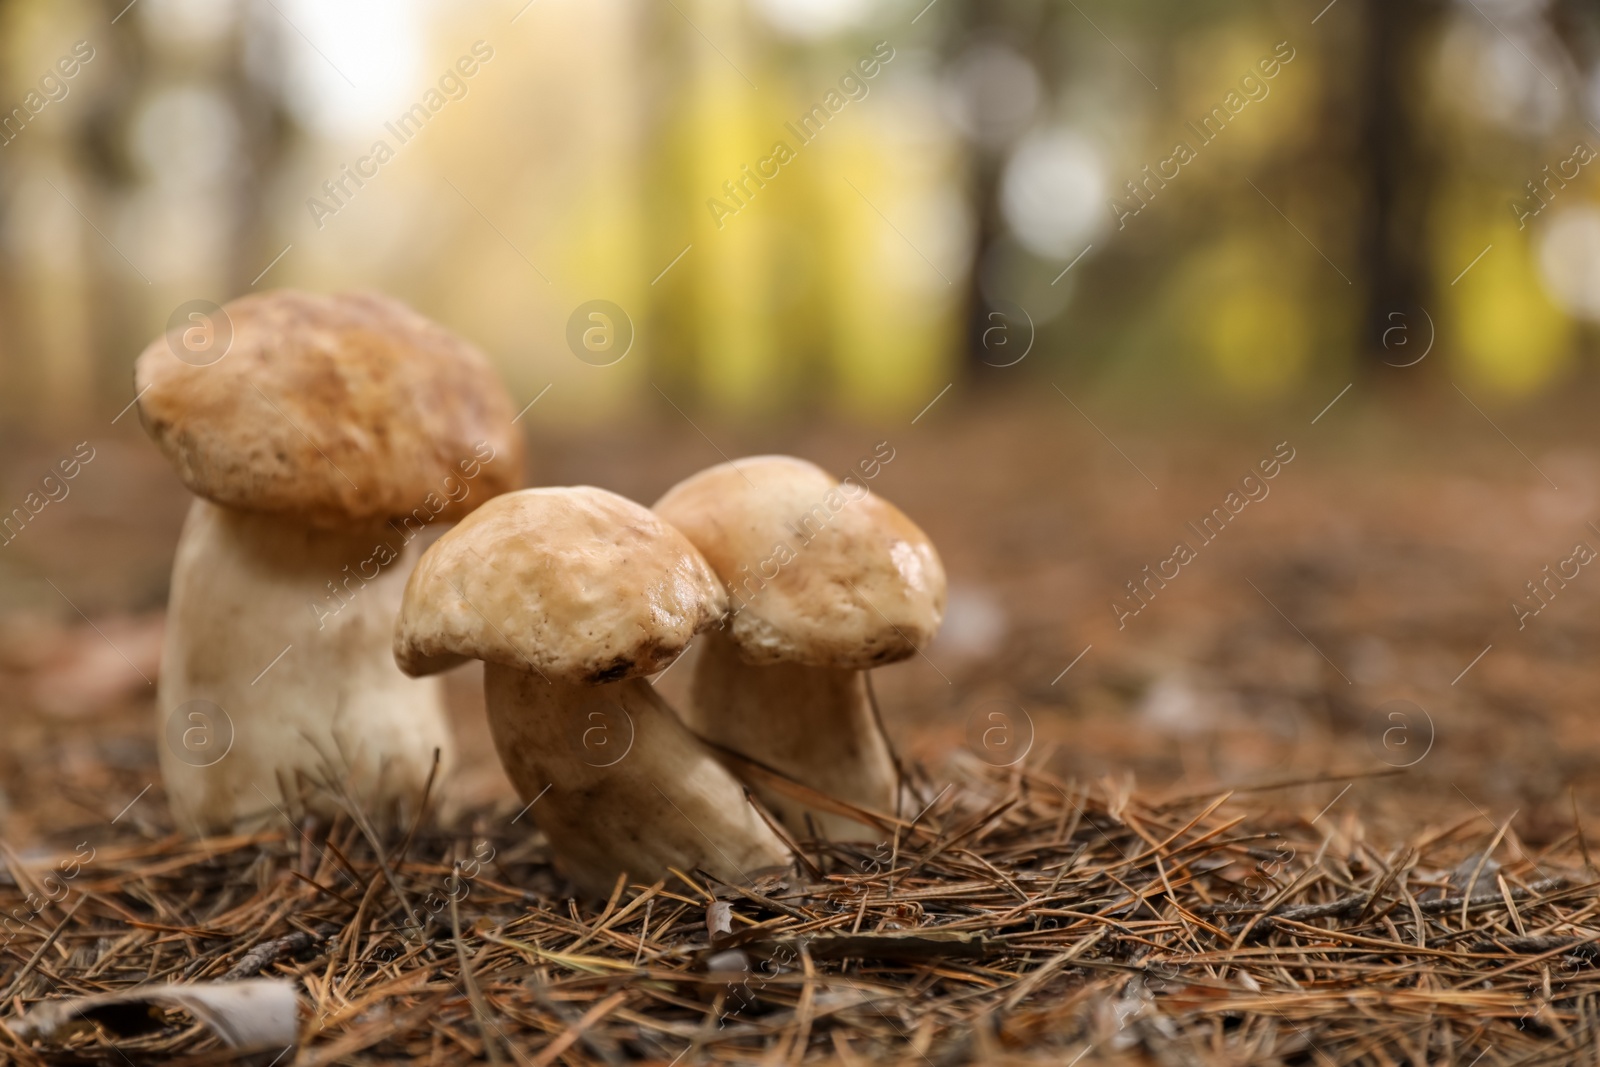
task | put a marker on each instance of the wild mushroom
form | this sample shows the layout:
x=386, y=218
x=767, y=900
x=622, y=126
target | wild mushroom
x=825, y=581
x=571, y=597
x=330, y=435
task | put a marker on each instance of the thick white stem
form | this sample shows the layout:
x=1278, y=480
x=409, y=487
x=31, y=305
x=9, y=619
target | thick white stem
x=272, y=680
x=619, y=786
x=813, y=724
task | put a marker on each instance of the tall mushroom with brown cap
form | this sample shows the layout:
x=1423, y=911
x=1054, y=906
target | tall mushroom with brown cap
x=825, y=580
x=571, y=597
x=330, y=434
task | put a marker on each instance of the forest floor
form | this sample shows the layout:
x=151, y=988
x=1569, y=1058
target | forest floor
x=1347, y=656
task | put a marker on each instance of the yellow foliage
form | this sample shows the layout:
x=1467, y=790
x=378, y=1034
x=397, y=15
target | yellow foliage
x=1253, y=330
x=1502, y=328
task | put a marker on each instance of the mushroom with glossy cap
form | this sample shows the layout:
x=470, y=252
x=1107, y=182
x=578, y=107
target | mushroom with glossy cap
x=571, y=596
x=826, y=580
x=329, y=435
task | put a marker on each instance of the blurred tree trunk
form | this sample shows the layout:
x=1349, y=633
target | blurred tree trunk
x=209, y=195
x=267, y=136
x=1028, y=27
x=988, y=228
x=1577, y=26
x=1394, y=163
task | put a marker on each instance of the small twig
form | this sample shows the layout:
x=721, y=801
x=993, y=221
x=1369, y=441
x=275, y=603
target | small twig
x=480, y=1007
x=33, y=961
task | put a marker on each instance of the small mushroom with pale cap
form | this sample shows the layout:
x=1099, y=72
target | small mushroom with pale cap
x=331, y=434
x=826, y=580
x=571, y=596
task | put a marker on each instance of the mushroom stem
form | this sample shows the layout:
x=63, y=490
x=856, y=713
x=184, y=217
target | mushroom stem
x=816, y=725
x=620, y=784
x=272, y=683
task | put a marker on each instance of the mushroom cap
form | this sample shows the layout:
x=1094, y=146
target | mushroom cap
x=819, y=572
x=577, y=584
x=333, y=409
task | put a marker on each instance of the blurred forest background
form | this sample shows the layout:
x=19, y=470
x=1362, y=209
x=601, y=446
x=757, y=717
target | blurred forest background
x=1057, y=253
x=924, y=230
